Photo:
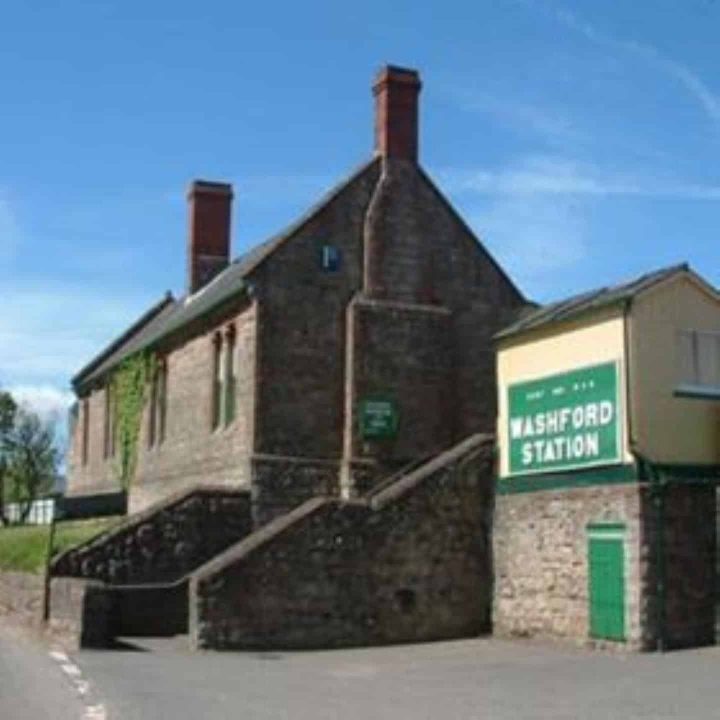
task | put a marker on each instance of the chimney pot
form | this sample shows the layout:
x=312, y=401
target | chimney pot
x=396, y=93
x=209, y=207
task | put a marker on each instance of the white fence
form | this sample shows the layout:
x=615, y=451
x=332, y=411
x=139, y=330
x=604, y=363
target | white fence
x=41, y=512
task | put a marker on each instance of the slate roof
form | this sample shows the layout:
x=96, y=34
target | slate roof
x=587, y=302
x=170, y=314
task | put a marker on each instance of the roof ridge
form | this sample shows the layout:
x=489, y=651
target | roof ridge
x=167, y=299
x=574, y=305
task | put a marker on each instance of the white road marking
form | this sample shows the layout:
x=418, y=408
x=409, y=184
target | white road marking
x=71, y=669
x=94, y=712
x=82, y=686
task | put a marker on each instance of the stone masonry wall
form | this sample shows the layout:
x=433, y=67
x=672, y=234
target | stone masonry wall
x=410, y=563
x=98, y=473
x=164, y=542
x=281, y=484
x=403, y=352
x=301, y=330
x=689, y=548
x=540, y=549
x=81, y=612
x=193, y=453
x=22, y=594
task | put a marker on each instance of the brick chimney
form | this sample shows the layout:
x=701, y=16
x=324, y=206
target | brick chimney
x=396, y=93
x=209, y=206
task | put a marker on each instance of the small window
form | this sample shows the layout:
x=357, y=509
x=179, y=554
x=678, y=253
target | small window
x=229, y=376
x=698, y=364
x=109, y=423
x=162, y=400
x=85, y=440
x=330, y=258
x=158, y=404
x=216, y=391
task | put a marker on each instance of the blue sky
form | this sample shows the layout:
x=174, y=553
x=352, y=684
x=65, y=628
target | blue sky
x=581, y=140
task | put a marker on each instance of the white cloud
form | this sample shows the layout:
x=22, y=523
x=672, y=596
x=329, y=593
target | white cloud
x=49, y=402
x=534, y=237
x=550, y=123
x=698, y=89
x=48, y=333
x=544, y=175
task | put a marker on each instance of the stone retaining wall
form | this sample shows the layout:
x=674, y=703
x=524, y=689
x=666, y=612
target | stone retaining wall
x=22, y=594
x=80, y=611
x=164, y=542
x=412, y=563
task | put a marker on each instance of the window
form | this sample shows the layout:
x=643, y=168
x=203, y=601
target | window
x=330, y=258
x=229, y=414
x=109, y=423
x=216, y=410
x=158, y=404
x=698, y=355
x=85, y=439
x=223, y=378
x=162, y=400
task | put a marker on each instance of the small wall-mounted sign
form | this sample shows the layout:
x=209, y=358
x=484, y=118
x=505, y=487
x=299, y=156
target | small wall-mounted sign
x=378, y=418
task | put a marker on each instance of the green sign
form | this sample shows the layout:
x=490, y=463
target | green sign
x=378, y=418
x=565, y=421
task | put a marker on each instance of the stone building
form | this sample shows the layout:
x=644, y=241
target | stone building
x=314, y=461
x=609, y=435
x=354, y=343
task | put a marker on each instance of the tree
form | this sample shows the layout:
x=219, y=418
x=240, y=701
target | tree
x=31, y=459
x=8, y=410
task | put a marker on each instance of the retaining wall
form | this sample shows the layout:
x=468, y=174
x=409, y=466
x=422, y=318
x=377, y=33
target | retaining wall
x=409, y=563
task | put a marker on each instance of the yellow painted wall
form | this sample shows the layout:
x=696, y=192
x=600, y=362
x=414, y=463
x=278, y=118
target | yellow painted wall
x=667, y=428
x=557, y=349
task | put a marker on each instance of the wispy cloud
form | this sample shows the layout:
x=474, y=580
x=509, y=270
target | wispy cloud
x=552, y=124
x=51, y=332
x=697, y=88
x=551, y=175
x=49, y=402
x=533, y=237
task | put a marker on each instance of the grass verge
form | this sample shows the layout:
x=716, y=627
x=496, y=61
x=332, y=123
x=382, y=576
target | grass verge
x=24, y=548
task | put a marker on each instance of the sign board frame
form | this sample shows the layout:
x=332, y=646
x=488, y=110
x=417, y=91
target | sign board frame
x=377, y=431
x=615, y=459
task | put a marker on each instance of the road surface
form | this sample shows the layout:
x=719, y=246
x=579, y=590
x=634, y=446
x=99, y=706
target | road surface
x=485, y=679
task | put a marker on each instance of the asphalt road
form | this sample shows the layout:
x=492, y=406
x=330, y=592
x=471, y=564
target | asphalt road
x=32, y=684
x=483, y=679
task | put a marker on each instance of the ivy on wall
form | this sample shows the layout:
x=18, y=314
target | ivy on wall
x=130, y=382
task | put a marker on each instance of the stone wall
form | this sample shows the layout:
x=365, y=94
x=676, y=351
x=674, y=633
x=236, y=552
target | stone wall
x=540, y=549
x=402, y=352
x=689, y=549
x=22, y=594
x=164, y=542
x=193, y=453
x=281, y=484
x=410, y=563
x=541, y=553
x=80, y=611
x=301, y=336
x=98, y=472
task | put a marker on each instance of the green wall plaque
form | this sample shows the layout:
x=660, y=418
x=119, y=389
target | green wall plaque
x=565, y=421
x=378, y=418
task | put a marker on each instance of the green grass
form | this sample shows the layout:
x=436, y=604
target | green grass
x=25, y=548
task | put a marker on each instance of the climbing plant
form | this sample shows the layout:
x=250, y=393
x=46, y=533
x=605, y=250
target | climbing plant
x=129, y=388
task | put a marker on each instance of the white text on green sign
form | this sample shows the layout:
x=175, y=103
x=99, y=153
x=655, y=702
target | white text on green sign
x=564, y=421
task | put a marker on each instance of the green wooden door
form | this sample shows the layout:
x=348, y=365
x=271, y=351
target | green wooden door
x=606, y=565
